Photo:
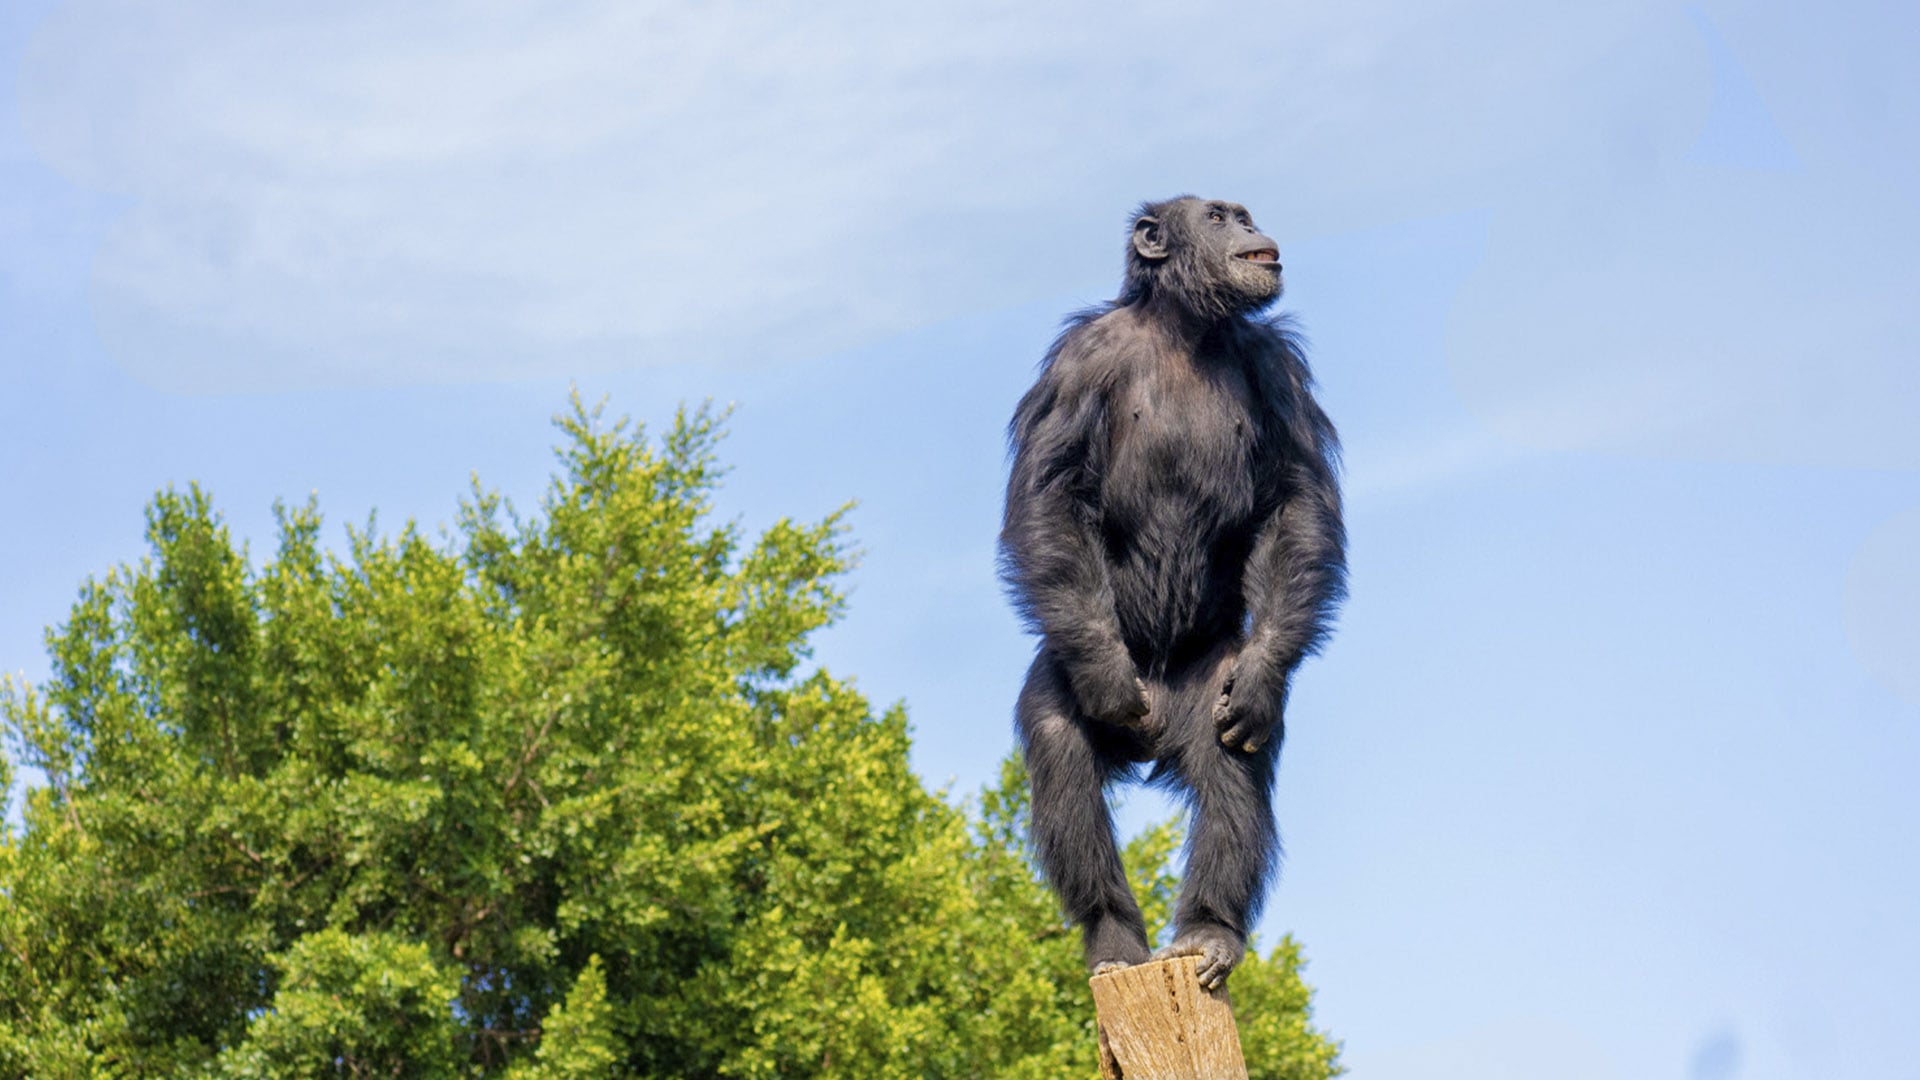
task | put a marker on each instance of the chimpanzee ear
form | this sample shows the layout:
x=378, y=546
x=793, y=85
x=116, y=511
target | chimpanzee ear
x=1149, y=239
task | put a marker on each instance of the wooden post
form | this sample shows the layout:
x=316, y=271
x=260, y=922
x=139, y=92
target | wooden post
x=1156, y=1023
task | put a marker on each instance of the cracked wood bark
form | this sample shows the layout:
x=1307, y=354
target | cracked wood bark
x=1156, y=1023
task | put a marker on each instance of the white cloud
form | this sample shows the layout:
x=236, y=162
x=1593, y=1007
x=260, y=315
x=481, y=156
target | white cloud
x=403, y=193
x=441, y=191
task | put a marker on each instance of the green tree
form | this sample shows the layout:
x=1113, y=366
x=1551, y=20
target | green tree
x=548, y=798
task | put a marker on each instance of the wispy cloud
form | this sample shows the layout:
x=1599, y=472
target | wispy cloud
x=430, y=191
x=1689, y=255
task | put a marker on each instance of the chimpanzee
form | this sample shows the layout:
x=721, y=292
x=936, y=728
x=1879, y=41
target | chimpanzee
x=1173, y=534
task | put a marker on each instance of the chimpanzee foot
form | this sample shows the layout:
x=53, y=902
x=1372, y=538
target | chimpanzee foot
x=1112, y=945
x=1220, y=950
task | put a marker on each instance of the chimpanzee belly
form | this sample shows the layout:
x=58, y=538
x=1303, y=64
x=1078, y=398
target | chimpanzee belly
x=1179, y=507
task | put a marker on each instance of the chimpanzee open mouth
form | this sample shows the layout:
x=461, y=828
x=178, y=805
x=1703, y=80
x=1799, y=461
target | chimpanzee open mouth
x=1263, y=255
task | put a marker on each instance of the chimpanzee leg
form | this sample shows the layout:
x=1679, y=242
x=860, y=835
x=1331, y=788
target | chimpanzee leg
x=1069, y=764
x=1232, y=849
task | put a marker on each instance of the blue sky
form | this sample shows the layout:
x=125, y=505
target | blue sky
x=1610, y=770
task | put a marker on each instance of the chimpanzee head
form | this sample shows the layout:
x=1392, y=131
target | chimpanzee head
x=1202, y=254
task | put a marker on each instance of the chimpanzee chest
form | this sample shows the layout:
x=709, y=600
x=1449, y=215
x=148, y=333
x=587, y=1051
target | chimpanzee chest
x=1184, y=451
x=1179, y=509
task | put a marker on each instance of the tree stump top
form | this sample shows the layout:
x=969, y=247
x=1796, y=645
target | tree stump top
x=1157, y=1023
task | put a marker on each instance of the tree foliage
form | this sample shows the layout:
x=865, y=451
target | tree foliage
x=548, y=798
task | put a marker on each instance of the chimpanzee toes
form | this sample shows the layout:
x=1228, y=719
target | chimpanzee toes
x=1220, y=951
x=1213, y=969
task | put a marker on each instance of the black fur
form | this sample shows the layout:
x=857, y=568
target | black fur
x=1173, y=533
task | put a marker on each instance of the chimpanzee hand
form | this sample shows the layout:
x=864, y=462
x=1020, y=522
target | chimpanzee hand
x=1248, y=708
x=1111, y=692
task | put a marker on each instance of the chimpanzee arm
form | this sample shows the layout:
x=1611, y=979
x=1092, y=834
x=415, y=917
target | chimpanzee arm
x=1051, y=554
x=1296, y=573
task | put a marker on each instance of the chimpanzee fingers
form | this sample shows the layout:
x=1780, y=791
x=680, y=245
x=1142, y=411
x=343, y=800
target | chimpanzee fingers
x=1246, y=735
x=1237, y=733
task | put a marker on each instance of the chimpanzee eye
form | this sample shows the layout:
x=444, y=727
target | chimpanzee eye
x=1216, y=217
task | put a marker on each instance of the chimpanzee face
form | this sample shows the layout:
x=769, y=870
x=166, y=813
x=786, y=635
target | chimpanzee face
x=1208, y=253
